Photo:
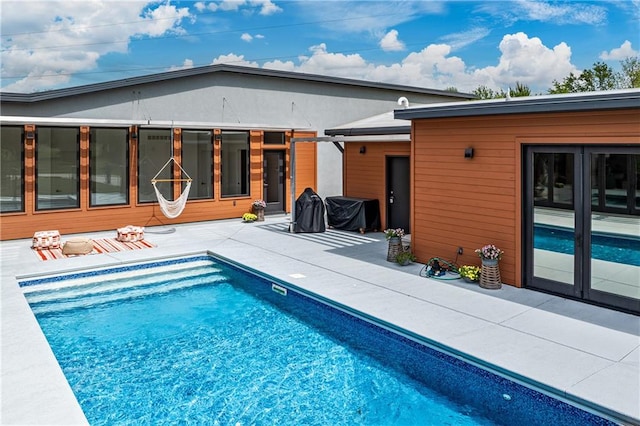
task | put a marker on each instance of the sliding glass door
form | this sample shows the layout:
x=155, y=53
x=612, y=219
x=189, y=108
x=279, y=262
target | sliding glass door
x=582, y=223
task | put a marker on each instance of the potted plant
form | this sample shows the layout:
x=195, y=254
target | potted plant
x=393, y=233
x=249, y=217
x=257, y=207
x=470, y=273
x=394, y=236
x=490, y=255
x=405, y=257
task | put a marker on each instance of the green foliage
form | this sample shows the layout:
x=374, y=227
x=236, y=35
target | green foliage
x=600, y=77
x=484, y=92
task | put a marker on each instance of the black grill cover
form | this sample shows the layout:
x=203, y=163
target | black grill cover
x=309, y=212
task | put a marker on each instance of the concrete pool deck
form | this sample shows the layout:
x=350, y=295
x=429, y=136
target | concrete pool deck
x=582, y=352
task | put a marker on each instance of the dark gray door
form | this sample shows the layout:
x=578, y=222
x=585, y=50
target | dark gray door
x=273, y=181
x=581, y=222
x=398, y=192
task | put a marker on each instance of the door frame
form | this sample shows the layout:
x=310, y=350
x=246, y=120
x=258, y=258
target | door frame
x=278, y=206
x=388, y=176
x=582, y=207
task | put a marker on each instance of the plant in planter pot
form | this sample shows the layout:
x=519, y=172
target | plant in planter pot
x=470, y=273
x=394, y=236
x=257, y=207
x=249, y=217
x=405, y=257
x=490, y=255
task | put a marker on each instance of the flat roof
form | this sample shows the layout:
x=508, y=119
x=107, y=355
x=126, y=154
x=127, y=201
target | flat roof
x=218, y=68
x=568, y=102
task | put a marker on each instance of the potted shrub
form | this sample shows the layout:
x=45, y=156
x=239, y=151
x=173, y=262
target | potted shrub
x=470, y=273
x=249, y=217
x=490, y=255
x=394, y=236
x=405, y=257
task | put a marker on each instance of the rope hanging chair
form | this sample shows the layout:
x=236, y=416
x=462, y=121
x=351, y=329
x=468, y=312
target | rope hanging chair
x=172, y=209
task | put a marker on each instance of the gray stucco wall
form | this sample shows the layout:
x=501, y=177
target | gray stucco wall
x=236, y=99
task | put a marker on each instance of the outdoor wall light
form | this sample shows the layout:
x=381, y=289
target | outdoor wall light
x=134, y=135
x=31, y=135
x=363, y=149
x=468, y=153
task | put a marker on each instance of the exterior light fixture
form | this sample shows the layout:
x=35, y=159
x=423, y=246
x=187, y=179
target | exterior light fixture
x=468, y=153
x=363, y=149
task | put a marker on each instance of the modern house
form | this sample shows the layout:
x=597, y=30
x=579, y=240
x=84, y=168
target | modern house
x=554, y=181
x=82, y=159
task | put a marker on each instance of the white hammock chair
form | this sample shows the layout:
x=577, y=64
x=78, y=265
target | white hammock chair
x=172, y=209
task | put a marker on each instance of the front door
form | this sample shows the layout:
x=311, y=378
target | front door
x=273, y=181
x=582, y=223
x=398, y=192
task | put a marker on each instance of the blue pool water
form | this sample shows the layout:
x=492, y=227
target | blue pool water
x=612, y=248
x=198, y=341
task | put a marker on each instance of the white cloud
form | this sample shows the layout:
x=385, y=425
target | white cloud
x=260, y=36
x=188, y=63
x=266, y=7
x=459, y=40
x=43, y=48
x=233, y=59
x=523, y=59
x=367, y=16
x=624, y=51
x=246, y=37
x=390, y=42
x=557, y=13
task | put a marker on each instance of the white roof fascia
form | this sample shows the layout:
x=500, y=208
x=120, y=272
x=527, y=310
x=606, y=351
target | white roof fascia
x=60, y=121
x=363, y=138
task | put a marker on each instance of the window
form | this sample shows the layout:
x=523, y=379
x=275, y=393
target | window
x=274, y=138
x=197, y=161
x=154, y=150
x=57, y=168
x=234, y=169
x=553, y=178
x=109, y=167
x=11, y=169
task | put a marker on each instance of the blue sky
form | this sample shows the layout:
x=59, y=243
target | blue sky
x=436, y=44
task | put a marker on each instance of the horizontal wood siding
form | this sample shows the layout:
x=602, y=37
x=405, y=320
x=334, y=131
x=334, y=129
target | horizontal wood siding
x=306, y=165
x=85, y=219
x=365, y=174
x=468, y=203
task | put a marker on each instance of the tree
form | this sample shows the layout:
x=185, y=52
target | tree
x=630, y=75
x=484, y=92
x=601, y=77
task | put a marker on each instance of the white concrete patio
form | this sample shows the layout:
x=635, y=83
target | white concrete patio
x=586, y=354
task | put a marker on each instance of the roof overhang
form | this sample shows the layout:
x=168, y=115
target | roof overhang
x=569, y=102
x=163, y=124
x=363, y=138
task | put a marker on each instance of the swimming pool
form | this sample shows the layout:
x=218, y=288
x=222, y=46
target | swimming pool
x=609, y=247
x=200, y=341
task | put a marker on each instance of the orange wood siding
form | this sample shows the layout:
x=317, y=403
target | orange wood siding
x=364, y=174
x=85, y=219
x=460, y=202
x=306, y=165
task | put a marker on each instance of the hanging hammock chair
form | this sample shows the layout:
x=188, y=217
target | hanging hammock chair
x=172, y=209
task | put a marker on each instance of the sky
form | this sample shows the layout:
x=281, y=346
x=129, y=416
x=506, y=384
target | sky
x=54, y=44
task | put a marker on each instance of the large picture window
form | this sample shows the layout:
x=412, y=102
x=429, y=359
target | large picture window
x=57, y=168
x=154, y=150
x=197, y=161
x=109, y=167
x=11, y=169
x=234, y=169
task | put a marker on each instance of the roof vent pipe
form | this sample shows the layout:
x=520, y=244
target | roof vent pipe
x=404, y=102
